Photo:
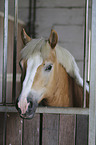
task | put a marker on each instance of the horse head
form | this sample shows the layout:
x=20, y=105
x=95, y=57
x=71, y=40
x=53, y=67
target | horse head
x=38, y=64
x=49, y=74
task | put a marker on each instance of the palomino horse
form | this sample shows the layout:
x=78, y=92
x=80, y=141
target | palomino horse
x=50, y=75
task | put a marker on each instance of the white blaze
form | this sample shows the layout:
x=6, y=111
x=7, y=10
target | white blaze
x=32, y=64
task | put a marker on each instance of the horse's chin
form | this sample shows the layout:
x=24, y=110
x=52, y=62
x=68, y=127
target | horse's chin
x=23, y=116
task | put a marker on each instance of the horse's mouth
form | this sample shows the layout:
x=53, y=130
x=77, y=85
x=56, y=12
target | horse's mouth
x=24, y=116
x=29, y=114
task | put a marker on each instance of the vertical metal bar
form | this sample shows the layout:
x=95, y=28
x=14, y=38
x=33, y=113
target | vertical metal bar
x=89, y=53
x=4, y=128
x=15, y=50
x=5, y=44
x=40, y=132
x=22, y=131
x=75, y=130
x=85, y=49
x=92, y=106
x=32, y=17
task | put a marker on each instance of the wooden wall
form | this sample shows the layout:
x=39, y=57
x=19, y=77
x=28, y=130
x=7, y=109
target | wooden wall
x=51, y=129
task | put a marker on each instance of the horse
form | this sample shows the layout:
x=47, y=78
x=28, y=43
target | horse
x=50, y=76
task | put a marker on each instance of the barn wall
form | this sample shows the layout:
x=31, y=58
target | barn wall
x=23, y=9
x=56, y=130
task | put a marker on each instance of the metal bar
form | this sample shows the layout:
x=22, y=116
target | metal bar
x=92, y=106
x=40, y=132
x=69, y=111
x=85, y=50
x=15, y=50
x=83, y=111
x=22, y=131
x=89, y=53
x=10, y=77
x=4, y=128
x=32, y=17
x=5, y=44
x=75, y=130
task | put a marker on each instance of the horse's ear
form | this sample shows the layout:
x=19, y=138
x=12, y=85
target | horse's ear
x=25, y=37
x=53, y=39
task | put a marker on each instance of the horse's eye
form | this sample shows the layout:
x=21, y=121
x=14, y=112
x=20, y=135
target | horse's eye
x=48, y=68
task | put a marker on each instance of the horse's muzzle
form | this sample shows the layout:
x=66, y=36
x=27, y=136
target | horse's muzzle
x=29, y=114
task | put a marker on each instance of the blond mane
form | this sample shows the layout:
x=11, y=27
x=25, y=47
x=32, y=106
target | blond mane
x=31, y=47
x=64, y=57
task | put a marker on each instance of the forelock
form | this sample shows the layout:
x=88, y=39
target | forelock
x=35, y=45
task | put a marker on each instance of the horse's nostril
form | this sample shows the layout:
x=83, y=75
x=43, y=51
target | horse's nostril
x=29, y=100
x=30, y=104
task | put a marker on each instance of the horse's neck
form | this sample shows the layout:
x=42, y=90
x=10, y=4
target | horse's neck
x=77, y=93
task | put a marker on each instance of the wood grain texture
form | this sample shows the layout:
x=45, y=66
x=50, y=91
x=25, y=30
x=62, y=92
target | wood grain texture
x=82, y=130
x=1, y=127
x=50, y=129
x=67, y=130
x=31, y=131
x=13, y=129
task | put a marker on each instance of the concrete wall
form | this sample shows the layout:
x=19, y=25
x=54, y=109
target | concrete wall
x=23, y=9
x=65, y=16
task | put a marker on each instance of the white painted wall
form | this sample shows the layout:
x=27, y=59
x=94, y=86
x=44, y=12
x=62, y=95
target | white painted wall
x=65, y=16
